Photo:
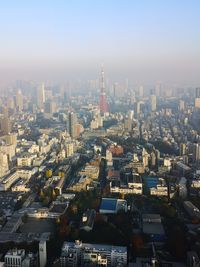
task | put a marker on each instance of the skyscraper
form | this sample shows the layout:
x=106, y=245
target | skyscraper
x=182, y=149
x=72, y=125
x=11, y=139
x=197, y=98
x=40, y=96
x=181, y=105
x=5, y=125
x=197, y=102
x=158, y=89
x=103, y=105
x=50, y=107
x=153, y=102
x=19, y=100
x=196, y=152
x=141, y=91
x=198, y=92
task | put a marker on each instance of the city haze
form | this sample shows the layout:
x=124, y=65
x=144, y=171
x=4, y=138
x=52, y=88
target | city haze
x=145, y=41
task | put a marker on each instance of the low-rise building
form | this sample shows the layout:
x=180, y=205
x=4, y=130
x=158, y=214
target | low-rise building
x=18, y=258
x=160, y=189
x=192, y=210
x=20, y=186
x=133, y=185
x=78, y=254
x=90, y=171
x=12, y=224
x=195, y=183
x=14, y=258
x=182, y=187
x=112, y=205
x=182, y=168
x=152, y=226
x=25, y=160
x=8, y=180
x=88, y=220
x=113, y=175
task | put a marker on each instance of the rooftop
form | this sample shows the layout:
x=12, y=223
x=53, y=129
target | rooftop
x=108, y=204
x=112, y=205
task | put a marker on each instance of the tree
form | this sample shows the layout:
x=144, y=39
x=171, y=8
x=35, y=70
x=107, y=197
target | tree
x=95, y=204
x=99, y=218
x=53, y=194
x=58, y=220
x=106, y=190
x=74, y=208
x=177, y=242
x=121, y=195
x=137, y=241
x=46, y=201
x=42, y=194
x=24, y=218
x=64, y=228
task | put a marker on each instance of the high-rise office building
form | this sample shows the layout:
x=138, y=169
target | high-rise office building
x=11, y=139
x=131, y=114
x=69, y=149
x=19, y=100
x=128, y=124
x=5, y=111
x=182, y=149
x=197, y=102
x=10, y=103
x=181, y=105
x=5, y=125
x=141, y=91
x=196, y=152
x=137, y=108
x=79, y=129
x=72, y=125
x=198, y=92
x=40, y=96
x=153, y=102
x=158, y=89
x=114, y=89
x=50, y=107
x=197, y=98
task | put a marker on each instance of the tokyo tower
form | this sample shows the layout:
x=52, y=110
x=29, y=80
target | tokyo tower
x=103, y=105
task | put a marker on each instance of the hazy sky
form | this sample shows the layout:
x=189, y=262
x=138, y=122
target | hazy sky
x=144, y=40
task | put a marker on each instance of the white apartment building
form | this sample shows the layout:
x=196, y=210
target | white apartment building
x=14, y=258
x=161, y=189
x=25, y=161
x=69, y=149
x=78, y=254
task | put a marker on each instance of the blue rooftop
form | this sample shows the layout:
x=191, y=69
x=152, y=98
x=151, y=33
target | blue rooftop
x=151, y=182
x=108, y=204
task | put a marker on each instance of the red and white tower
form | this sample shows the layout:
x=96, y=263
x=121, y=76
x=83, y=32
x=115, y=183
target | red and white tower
x=103, y=105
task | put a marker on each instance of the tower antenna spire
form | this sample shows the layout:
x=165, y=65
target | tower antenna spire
x=102, y=100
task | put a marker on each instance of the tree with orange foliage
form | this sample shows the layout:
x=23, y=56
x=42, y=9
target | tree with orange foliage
x=64, y=228
x=106, y=190
x=137, y=242
x=74, y=208
x=121, y=195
